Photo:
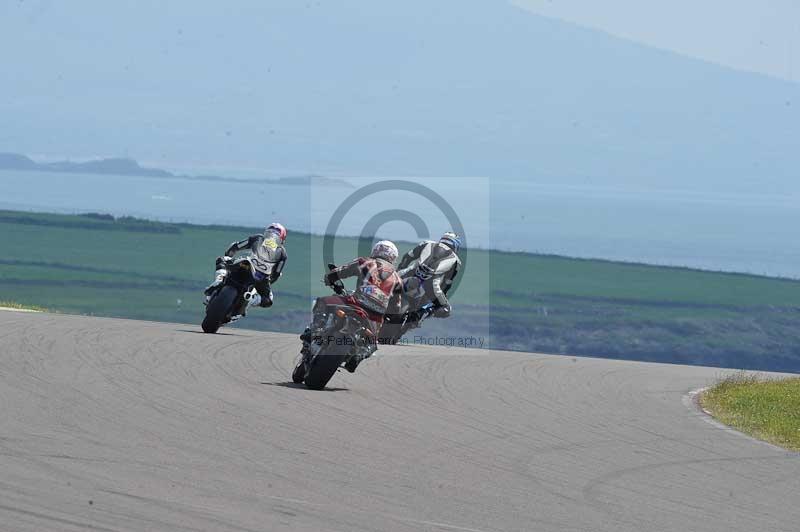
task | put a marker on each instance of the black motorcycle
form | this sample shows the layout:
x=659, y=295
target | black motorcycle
x=340, y=335
x=228, y=299
x=397, y=325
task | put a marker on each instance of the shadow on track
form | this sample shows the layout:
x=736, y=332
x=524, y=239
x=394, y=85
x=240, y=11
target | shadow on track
x=201, y=332
x=290, y=384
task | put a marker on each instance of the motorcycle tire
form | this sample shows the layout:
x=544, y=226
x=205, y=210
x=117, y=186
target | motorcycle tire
x=324, y=365
x=219, y=308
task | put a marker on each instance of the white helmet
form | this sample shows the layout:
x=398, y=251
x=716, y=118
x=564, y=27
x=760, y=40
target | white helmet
x=385, y=250
x=451, y=240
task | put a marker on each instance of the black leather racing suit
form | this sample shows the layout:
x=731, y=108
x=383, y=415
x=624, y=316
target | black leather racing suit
x=268, y=258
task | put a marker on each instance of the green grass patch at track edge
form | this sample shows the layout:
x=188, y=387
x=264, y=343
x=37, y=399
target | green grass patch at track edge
x=765, y=408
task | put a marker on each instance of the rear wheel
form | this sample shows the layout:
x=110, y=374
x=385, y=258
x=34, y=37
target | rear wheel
x=299, y=372
x=218, y=308
x=324, y=365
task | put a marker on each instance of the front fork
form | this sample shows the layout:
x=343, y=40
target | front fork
x=321, y=327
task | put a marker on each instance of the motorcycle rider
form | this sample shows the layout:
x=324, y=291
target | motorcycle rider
x=378, y=290
x=428, y=272
x=268, y=258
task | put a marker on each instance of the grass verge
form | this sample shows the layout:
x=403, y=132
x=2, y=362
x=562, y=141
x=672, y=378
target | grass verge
x=18, y=306
x=767, y=409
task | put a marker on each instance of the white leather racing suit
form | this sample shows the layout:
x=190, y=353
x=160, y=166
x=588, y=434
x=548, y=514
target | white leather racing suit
x=428, y=272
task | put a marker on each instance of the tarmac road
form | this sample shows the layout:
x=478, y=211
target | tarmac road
x=124, y=425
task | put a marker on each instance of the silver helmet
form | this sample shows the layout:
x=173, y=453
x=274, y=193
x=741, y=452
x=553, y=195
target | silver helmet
x=451, y=240
x=386, y=250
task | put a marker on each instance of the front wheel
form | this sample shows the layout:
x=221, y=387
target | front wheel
x=219, y=308
x=324, y=365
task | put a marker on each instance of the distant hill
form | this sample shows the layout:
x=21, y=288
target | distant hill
x=129, y=167
x=113, y=166
x=15, y=161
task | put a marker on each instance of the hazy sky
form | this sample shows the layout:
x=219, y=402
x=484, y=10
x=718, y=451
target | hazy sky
x=407, y=88
x=756, y=35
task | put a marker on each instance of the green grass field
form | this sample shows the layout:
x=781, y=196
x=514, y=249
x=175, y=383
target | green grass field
x=764, y=408
x=150, y=270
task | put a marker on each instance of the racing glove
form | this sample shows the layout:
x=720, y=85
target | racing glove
x=222, y=261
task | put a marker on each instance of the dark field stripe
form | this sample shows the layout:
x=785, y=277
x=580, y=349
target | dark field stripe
x=89, y=269
x=131, y=227
x=630, y=302
x=127, y=285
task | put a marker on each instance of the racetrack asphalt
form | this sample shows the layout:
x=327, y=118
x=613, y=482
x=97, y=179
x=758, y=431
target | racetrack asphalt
x=113, y=425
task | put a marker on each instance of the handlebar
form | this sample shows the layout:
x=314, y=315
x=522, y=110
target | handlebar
x=427, y=310
x=337, y=286
x=423, y=313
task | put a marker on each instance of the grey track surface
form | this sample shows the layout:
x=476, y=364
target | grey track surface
x=123, y=425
